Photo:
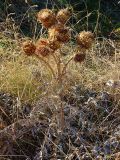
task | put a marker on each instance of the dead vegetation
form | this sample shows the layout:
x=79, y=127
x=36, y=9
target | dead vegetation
x=29, y=105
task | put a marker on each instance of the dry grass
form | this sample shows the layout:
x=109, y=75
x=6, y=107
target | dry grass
x=97, y=68
x=27, y=78
x=17, y=72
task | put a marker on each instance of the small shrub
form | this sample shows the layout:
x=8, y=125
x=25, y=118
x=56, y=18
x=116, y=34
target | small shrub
x=58, y=34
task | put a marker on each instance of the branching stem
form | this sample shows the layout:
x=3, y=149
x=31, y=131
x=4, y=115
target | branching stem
x=65, y=67
x=48, y=65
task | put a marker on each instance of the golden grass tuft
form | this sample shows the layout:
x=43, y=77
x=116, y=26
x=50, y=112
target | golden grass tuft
x=18, y=75
x=16, y=78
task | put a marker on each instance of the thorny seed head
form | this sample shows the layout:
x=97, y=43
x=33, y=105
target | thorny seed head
x=79, y=57
x=42, y=41
x=28, y=48
x=46, y=17
x=63, y=15
x=54, y=44
x=42, y=50
x=59, y=32
x=42, y=47
x=85, y=39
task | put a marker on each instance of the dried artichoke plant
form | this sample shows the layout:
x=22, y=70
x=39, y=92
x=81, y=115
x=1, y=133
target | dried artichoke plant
x=58, y=34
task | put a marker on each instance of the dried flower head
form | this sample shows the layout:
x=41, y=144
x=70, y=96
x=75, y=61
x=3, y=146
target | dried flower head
x=46, y=17
x=85, y=39
x=54, y=44
x=79, y=57
x=42, y=50
x=63, y=15
x=28, y=48
x=59, y=32
x=42, y=41
x=42, y=47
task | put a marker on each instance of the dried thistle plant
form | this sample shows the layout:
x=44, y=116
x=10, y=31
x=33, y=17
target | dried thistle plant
x=42, y=48
x=63, y=15
x=46, y=17
x=79, y=57
x=58, y=34
x=29, y=48
x=85, y=39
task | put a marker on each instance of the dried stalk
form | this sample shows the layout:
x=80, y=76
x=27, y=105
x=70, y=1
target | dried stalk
x=60, y=84
x=66, y=65
x=48, y=65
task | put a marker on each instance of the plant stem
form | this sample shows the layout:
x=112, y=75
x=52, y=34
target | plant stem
x=62, y=116
x=65, y=67
x=57, y=63
x=48, y=65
